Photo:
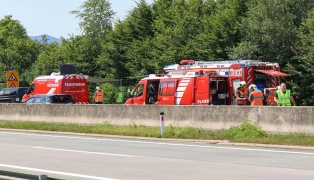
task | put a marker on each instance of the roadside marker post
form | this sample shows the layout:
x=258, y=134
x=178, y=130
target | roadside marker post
x=162, y=123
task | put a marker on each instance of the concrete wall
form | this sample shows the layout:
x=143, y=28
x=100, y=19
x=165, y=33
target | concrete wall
x=272, y=119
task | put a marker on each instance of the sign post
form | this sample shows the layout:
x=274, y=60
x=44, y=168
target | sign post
x=162, y=123
x=12, y=79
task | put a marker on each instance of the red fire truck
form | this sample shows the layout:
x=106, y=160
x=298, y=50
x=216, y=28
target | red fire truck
x=184, y=87
x=204, y=82
x=72, y=84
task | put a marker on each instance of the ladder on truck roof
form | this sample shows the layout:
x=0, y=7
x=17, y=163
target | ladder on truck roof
x=244, y=63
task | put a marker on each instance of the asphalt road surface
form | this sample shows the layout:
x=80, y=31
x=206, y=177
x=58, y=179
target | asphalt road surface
x=67, y=156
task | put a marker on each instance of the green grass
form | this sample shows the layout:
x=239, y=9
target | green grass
x=245, y=133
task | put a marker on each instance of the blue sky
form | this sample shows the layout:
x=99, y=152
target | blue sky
x=52, y=17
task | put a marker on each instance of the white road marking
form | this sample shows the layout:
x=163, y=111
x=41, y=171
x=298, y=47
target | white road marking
x=169, y=144
x=54, y=172
x=88, y=152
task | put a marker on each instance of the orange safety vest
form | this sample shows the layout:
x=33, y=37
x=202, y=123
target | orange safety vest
x=257, y=98
x=99, y=96
x=243, y=94
x=271, y=98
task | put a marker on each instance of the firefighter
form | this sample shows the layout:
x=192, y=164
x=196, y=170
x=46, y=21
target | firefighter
x=242, y=94
x=139, y=90
x=283, y=96
x=152, y=94
x=256, y=96
x=99, y=96
x=270, y=96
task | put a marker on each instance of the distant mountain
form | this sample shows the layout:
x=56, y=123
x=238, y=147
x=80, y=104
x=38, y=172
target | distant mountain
x=50, y=38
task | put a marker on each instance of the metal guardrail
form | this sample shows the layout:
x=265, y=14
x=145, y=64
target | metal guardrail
x=9, y=175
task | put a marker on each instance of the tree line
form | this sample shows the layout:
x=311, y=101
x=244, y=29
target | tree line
x=167, y=31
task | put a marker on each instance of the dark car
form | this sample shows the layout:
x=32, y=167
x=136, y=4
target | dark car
x=50, y=99
x=12, y=95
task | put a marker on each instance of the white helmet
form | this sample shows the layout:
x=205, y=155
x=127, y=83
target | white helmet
x=97, y=88
x=242, y=83
x=278, y=88
x=252, y=86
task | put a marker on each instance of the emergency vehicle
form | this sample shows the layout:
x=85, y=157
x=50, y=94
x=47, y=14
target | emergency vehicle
x=262, y=74
x=181, y=88
x=72, y=84
x=181, y=84
x=253, y=72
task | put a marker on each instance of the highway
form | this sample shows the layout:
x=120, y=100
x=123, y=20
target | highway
x=71, y=156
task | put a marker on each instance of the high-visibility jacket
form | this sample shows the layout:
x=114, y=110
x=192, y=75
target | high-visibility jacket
x=243, y=94
x=271, y=98
x=257, y=98
x=99, y=96
x=284, y=98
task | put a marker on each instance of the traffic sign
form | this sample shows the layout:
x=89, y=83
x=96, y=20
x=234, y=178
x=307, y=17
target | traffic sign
x=12, y=79
x=12, y=84
x=13, y=76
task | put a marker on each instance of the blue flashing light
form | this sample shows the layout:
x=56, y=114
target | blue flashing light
x=243, y=65
x=146, y=75
x=197, y=73
x=226, y=73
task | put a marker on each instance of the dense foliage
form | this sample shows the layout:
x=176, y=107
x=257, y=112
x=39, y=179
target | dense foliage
x=166, y=31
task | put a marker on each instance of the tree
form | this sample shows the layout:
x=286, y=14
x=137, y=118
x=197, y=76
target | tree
x=17, y=51
x=268, y=32
x=48, y=61
x=301, y=67
x=96, y=17
x=11, y=28
x=177, y=24
x=96, y=23
x=127, y=47
x=221, y=29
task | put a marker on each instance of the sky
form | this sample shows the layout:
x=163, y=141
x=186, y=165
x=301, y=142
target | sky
x=52, y=17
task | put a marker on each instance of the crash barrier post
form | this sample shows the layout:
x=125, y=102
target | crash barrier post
x=162, y=123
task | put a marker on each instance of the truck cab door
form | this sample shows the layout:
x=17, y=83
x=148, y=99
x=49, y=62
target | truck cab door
x=29, y=93
x=139, y=95
x=202, y=92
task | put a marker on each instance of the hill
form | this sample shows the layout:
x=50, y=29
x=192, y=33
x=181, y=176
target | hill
x=50, y=38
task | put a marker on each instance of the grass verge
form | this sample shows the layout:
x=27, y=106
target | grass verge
x=245, y=133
